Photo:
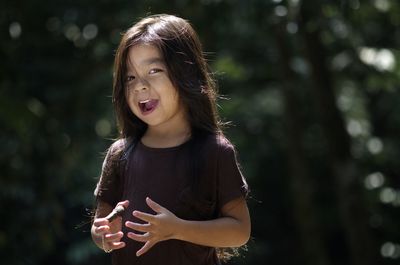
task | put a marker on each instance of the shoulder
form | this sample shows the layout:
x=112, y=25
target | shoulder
x=117, y=147
x=118, y=144
x=219, y=143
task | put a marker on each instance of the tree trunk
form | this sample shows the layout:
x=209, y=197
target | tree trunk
x=350, y=193
x=302, y=184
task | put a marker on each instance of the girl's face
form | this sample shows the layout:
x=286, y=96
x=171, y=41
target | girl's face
x=151, y=95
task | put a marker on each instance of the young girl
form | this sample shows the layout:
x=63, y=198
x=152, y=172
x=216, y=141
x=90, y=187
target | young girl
x=172, y=168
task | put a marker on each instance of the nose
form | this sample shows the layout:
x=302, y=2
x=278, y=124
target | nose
x=141, y=85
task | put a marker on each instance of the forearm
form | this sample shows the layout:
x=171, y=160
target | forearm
x=221, y=232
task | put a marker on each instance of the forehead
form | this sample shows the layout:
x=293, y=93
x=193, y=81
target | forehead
x=143, y=54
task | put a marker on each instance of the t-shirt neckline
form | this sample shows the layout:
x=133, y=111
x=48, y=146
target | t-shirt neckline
x=162, y=149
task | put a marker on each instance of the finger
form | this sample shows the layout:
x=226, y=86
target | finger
x=125, y=203
x=138, y=227
x=139, y=237
x=145, y=248
x=102, y=229
x=100, y=222
x=144, y=216
x=113, y=237
x=117, y=245
x=154, y=206
x=117, y=220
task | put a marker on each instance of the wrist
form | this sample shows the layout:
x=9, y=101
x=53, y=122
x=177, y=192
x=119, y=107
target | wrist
x=180, y=229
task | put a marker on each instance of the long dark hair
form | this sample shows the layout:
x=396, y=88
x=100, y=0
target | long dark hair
x=187, y=69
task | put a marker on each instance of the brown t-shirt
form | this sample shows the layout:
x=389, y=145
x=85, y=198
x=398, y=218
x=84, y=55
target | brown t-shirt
x=164, y=175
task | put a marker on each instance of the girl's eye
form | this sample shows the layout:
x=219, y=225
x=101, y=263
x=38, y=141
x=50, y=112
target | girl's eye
x=130, y=78
x=155, y=70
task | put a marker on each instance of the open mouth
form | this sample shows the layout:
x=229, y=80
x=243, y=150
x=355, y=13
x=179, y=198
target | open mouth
x=147, y=106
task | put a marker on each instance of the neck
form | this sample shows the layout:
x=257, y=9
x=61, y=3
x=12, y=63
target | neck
x=167, y=136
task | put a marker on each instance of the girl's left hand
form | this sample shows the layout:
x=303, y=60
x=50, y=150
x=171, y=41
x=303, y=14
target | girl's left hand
x=159, y=227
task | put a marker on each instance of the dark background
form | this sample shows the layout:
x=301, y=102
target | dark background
x=313, y=95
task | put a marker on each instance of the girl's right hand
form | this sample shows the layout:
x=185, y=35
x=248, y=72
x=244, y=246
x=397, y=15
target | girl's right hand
x=110, y=232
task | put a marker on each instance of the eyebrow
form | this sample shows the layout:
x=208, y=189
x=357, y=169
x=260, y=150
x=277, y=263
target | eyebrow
x=148, y=61
x=153, y=60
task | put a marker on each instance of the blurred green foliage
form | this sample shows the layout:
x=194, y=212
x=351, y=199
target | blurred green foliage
x=56, y=120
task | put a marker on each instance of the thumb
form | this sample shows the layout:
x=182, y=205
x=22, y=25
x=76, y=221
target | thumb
x=124, y=204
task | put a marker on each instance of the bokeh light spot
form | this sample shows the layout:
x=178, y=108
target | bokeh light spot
x=382, y=5
x=292, y=28
x=15, y=30
x=374, y=145
x=36, y=107
x=390, y=250
x=387, y=195
x=374, y=180
x=382, y=59
x=72, y=32
x=103, y=127
x=90, y=31
x=281, y=11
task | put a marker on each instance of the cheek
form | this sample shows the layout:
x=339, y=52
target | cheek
x=130, y=98
x=172, y=99
x=157, y=82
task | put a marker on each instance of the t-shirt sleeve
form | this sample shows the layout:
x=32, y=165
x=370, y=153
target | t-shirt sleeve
x=108, y=186
x=231, y=182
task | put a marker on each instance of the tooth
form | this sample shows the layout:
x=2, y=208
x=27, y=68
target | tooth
x=144, y=101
